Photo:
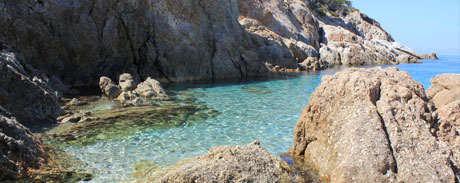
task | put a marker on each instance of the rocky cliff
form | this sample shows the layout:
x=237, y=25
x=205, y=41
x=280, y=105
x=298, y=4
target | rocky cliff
x=299, y=36
x=79, y=41
x=20, y=151
x=72, y=43
x=377, y=125
x=25, y=92
x=175, y=41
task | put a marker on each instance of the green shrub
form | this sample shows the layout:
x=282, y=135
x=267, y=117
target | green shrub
x=333, y=7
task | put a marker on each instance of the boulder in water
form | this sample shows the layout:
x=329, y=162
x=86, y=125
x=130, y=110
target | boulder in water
x=109, y=88
x=371, y=125
x=151, y=89
x=126, y=82
x=249, y=163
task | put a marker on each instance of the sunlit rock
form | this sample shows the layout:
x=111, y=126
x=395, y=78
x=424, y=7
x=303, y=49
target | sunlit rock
x=371, y=125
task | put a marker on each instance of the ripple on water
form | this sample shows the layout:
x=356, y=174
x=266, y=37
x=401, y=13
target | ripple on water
x=267, y=111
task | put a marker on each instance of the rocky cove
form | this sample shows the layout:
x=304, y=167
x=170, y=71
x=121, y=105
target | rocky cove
x=359, y=125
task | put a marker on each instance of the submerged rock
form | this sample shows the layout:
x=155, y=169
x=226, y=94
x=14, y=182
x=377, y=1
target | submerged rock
x=249, y=163
x=371, y=125
x=20, y=150
x=75, y=118
x=75, y=102
x=116, y=123
x=256, y=89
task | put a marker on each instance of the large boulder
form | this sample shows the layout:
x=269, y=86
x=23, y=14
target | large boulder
x=371, y=125
x=126, y=82
x=151, y=89
x=24, y=91
x=249, y=163
x=444, y=89
x=20, y=151
x=109, y=88
x=444, y=92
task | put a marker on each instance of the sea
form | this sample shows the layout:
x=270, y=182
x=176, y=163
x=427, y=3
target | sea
x=266, y=110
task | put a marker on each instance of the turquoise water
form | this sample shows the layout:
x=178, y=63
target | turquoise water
x=264, y=110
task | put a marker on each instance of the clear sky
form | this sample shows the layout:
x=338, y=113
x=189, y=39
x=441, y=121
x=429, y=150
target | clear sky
x=423, y=25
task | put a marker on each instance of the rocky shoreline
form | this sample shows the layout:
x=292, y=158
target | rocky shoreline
x=377, y=125
x=51, y=48
x=78, y=42
x=360, y=125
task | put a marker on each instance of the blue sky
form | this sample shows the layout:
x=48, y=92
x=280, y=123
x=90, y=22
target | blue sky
x=425, y=26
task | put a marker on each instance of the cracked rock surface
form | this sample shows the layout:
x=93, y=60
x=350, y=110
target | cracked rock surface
x=25, y=92
x=444, y=92
x=19, y=149
x=179, y=41
x=168, y=40
x=371, y=125
x=249, y=163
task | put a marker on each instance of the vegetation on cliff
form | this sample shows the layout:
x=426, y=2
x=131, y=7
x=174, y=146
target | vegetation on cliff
x=335, y=7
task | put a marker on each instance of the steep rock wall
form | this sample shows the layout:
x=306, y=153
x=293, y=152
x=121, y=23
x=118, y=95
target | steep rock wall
x=79, y=41
x=176, y=41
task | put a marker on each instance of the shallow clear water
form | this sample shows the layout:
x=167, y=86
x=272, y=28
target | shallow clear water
x=266, y=111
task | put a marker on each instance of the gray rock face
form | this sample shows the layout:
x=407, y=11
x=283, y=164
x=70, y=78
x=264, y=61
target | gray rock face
x=371, y=125
x=24, y=91
x=284, y=32
x=354, y=42
x=159, y=39
x=109, y=88
x=287, y=32
x=248, y=163
x=81, y=41
x=19, y=149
